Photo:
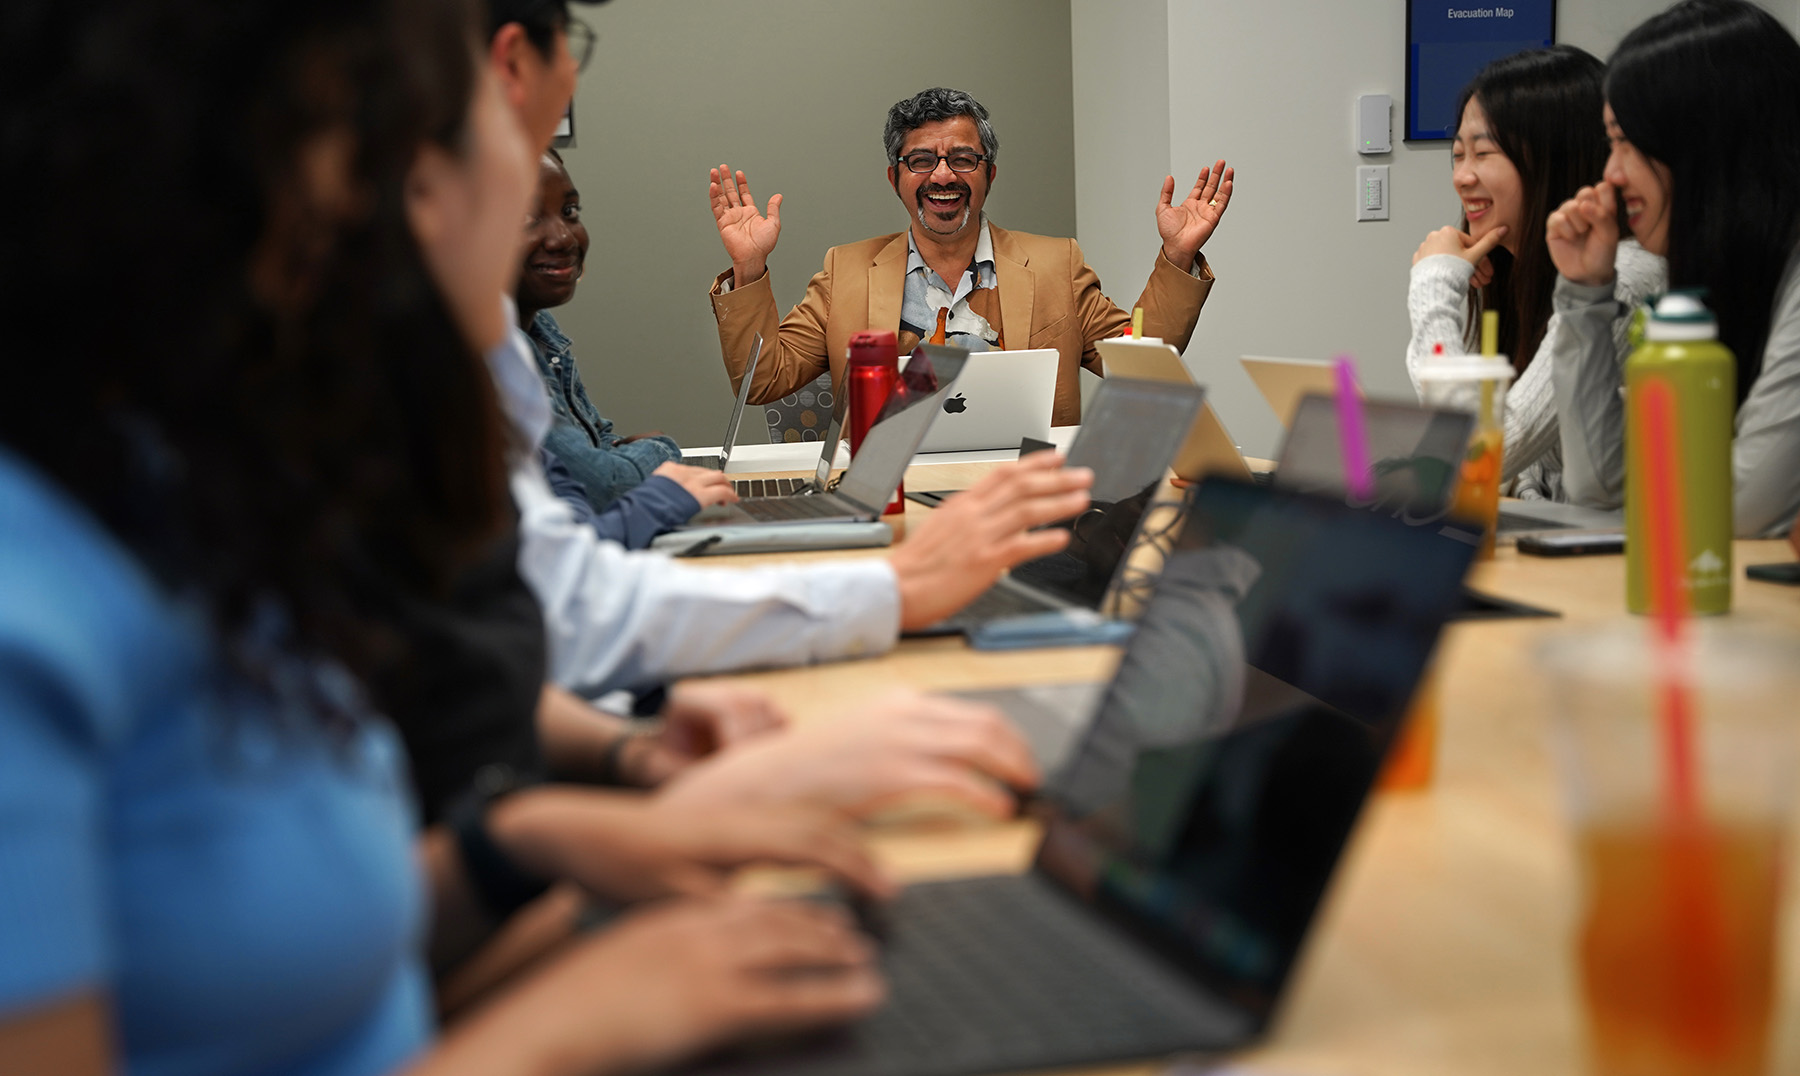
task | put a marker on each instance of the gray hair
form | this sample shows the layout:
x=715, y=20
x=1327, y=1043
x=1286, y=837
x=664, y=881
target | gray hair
x=930, y=106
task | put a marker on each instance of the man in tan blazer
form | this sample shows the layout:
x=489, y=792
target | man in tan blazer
x=952, y=276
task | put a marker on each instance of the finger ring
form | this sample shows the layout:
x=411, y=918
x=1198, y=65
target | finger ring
x=1214, y=202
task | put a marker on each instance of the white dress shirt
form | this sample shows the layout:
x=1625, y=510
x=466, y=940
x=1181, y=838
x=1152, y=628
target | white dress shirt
x=622, y=619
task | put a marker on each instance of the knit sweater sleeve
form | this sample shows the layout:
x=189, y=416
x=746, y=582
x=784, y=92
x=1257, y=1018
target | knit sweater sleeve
x=1437, y=303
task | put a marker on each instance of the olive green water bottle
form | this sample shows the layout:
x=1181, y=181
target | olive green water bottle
x=1681, y=346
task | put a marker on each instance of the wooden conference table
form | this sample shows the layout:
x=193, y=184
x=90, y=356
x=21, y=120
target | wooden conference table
x=1445, y=943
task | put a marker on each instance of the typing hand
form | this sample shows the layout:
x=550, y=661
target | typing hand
x=962, y=547
x=1186, y=227
x=1451, y=240
x=698, y=720
x=706, y=486
x=631, y=847
x=672, y=981
x=901, y=746
x=747, y=234
x=1583, y=235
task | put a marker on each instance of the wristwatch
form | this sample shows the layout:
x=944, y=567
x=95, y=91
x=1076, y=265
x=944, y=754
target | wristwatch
x=501, y=884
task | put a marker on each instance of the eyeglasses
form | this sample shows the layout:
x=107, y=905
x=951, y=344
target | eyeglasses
x=923, y=162
x=581, y=42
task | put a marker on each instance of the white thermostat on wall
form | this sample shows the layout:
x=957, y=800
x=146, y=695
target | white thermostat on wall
x=1374, y=131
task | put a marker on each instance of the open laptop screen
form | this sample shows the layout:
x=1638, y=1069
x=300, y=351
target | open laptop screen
x=1415, y=456
x=900, y=425
x=743, y=400
x=1213, y=794
x=1128, y=436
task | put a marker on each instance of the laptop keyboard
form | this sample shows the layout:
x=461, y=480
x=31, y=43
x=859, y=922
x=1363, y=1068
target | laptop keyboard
x=1005, y=973
x=789, y=508
x=769, y=487
x=709, y=463
x=998, y=603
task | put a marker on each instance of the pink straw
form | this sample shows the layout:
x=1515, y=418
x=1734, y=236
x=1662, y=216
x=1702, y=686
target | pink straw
x=1352, y=434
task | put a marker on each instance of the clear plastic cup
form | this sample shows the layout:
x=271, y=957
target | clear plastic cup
x=1475, y=384
x=1680, y=909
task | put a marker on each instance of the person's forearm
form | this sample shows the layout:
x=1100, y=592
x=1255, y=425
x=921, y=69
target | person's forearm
x=524, y=1032
x=459, y=922
x=578, y=739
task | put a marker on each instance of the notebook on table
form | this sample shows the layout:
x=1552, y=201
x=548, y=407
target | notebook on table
x=1191, y=834
x=866, y=487
x=1130, y=433
x=1002, y=396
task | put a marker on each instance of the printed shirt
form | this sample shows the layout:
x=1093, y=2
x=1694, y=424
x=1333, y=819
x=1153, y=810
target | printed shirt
x=968, y=318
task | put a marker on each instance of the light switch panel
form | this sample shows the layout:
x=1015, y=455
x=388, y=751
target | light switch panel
x=1372, y=192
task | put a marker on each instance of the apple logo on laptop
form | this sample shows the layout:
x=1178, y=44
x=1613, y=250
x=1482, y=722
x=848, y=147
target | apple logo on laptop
x=955, y=405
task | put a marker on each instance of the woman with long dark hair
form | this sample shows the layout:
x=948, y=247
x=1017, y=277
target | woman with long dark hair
x=1524, y=142
x=1703, y=112
x=253, y=252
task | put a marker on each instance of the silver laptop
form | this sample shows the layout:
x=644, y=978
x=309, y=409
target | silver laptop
x=864, y=490
x=1002, y=397
x=719, y=462
x=1129, y=434
x=745, y=487
x=1190, y=838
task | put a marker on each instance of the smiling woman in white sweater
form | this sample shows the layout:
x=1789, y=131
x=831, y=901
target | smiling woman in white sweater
x=1526, y=140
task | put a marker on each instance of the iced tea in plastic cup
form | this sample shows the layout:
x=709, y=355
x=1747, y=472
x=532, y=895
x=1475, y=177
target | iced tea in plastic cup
x=1677, y=942
x=1475, y=384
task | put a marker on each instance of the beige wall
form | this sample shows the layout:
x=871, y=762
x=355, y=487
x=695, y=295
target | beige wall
x=794, y=92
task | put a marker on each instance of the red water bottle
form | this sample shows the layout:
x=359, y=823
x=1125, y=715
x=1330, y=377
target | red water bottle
x=872, y=373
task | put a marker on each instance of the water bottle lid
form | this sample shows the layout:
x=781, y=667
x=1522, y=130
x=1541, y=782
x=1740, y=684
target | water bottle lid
x=1680, y=315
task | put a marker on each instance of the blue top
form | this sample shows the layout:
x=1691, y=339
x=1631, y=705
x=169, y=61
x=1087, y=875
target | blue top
x=656, y=507
x=239, y=880
x=581, y=438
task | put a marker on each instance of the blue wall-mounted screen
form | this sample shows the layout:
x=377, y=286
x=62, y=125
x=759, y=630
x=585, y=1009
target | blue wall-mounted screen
x=1449, y=41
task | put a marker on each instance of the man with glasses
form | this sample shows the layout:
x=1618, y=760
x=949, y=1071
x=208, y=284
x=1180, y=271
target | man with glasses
x=537, y=48
x=951, y=277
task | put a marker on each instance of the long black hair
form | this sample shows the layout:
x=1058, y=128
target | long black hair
x=1543, y=110
x=1711, y=89
x=221, y=335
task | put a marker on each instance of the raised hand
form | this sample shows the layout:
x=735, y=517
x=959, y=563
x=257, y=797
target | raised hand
x=1452, y=240
x=1186, y=227
x=747, y=234
x=1583, y=235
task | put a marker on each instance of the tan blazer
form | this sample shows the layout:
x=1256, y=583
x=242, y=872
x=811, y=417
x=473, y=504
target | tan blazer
x=1048, y=298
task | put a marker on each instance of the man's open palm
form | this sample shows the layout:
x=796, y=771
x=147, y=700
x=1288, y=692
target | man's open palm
x=1185, y=227
x=748, y=235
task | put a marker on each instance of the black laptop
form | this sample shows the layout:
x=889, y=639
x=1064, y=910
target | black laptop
x=865, y=488
x=1189, y=840
x=1129, y=435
